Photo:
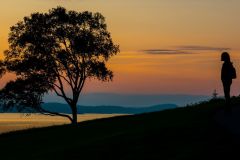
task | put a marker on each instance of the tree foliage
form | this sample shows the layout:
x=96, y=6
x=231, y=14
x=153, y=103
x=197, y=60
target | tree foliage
x=56, y=51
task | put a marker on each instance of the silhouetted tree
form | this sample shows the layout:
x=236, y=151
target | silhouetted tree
x=56, y=51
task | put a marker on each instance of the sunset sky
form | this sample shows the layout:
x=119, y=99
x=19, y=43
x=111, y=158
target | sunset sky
x=167, y=46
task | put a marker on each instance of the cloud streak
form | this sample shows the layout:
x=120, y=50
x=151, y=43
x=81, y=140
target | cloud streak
x=164, y=51
x=202, y=48
x=188, y=49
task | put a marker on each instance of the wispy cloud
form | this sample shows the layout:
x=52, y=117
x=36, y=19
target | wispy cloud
x=164, y=51
x=202, y=48
x=188, y=49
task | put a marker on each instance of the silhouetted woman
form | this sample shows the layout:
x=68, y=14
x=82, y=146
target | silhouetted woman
x=227, y=75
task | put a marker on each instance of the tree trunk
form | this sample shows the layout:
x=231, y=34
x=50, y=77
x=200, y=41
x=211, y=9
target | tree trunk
x=74, y=114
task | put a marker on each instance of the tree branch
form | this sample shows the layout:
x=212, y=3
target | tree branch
x=68, y=100
x=57, y=93
x=56, y=86
x=68, y=81
x=67, y=71
x=49, y=113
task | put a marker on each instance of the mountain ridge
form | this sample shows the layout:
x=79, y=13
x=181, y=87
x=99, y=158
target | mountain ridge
x=102, y=109
x=64, y=108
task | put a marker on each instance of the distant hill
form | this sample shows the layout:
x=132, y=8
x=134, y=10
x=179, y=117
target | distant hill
x=64, y=108
x=131, y=100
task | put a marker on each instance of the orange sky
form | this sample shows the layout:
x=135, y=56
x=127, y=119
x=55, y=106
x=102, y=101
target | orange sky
x=138, y=25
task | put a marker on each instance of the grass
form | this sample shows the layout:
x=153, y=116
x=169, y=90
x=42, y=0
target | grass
x=183, y=133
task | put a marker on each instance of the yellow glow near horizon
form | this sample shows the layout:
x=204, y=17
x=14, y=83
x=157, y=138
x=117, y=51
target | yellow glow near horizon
x=152, y=24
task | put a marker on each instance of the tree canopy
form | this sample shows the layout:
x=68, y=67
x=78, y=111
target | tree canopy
x=55, y=51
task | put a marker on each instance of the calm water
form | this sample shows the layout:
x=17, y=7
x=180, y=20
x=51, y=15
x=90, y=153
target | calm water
x=15, y=121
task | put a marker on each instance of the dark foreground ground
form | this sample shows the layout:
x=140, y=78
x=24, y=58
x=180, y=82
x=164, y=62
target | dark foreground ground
x=196, y=132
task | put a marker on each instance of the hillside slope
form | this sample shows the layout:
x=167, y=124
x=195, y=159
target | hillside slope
x=183, y=133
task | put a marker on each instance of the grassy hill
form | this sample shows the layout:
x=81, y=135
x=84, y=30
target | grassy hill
x=183, y=133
